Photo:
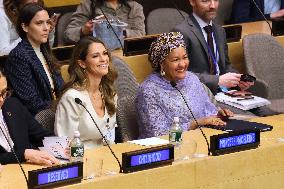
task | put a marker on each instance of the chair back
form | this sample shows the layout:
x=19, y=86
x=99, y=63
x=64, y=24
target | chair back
x=46, y=118
x=127, y=118
x=264, y=59
x=163, y=20
x=126, y=83
x=126, y=88
x=63, y=21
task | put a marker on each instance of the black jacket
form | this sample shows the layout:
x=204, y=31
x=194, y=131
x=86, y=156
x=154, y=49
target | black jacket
x=24, y=130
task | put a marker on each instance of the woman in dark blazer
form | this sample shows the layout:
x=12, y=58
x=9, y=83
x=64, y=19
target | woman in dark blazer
x=30, y=68
x=22, y=130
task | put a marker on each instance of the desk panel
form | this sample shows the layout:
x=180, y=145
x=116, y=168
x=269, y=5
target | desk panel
x=260, y=168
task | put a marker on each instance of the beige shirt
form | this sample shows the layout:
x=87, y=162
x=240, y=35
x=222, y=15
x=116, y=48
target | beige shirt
x=133, y=16
x=45, y=67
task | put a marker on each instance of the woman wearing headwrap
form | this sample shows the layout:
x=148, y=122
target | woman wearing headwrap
x=158, y=102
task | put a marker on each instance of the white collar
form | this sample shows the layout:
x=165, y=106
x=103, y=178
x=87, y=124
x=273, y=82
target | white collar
x=201, y=22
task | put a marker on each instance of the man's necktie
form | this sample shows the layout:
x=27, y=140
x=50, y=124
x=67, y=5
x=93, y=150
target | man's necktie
x=210, y=43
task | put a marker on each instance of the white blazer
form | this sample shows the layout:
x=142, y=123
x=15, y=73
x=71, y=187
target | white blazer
x=71, y=116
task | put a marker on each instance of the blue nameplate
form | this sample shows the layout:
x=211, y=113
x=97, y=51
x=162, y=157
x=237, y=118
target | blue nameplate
x=234, y=141
x=147, y=158
x=56, y=175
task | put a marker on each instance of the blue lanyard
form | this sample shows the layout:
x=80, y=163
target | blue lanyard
x=214, y=57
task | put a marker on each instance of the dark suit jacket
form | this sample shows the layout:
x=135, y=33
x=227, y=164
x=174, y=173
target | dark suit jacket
x=198, y=54
x=246, y=11
x=27, y=77
x=24, y=130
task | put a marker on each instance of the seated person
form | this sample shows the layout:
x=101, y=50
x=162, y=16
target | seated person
x=158, y=101
x=91, y=80
x=22, y=131
x=127, y=11
x=208, y=52
x=246, y=11
x=30, y=68
x=9, y=11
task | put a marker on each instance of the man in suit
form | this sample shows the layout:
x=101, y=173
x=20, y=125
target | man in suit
x=208, y=50
x=246, y=11
x=21, y=130
x=212, y=65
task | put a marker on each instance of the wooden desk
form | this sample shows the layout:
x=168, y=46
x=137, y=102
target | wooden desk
x=60, y=3
x=259, y=168
x=255, y=27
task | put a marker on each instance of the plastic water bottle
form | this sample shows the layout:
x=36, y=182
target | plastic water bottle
x=76, y=148
x=175, y=133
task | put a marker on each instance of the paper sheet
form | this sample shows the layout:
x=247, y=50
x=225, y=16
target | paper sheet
x=150, y=141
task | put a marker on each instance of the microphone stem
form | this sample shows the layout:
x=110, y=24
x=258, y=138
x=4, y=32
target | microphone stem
x=194, y=119
x=173, y=3
x=112, y=30
x=17, y=159
x=259, y=10
x=120, y=167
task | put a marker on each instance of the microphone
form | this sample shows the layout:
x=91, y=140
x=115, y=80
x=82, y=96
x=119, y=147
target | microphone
x=79, y=101
x=16, y=157
x=112, y=30
x=262, y=14
x=174, y=85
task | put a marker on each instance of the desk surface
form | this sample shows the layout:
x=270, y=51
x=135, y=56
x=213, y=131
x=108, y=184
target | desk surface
x=258, y=168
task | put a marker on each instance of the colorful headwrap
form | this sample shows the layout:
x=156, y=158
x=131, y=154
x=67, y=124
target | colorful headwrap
x=162, y=46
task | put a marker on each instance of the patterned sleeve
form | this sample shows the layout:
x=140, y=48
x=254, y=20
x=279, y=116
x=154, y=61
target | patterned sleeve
x=152, y=118
x=22, y=80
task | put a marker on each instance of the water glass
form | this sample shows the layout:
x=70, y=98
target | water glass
x=93, y=168
x=185, y=150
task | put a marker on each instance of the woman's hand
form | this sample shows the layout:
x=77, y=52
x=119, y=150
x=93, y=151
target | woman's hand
x=40, y=157
x=53, y=21
x=211, y=120
x=214, y=121
x=87, y=29
x=67, y=151
x=224, y=114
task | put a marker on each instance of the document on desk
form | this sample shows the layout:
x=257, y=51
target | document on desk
x=55, y=146
x=153, y=141
x=242, y=103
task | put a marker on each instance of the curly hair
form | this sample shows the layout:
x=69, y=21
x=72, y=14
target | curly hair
x=79, y=80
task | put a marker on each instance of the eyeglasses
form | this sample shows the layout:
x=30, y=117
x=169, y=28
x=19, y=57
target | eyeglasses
x=6, y=93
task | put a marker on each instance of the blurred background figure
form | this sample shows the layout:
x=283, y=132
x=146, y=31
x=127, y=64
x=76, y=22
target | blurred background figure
x=30, y=68
x=246, y=11
x=128, y=11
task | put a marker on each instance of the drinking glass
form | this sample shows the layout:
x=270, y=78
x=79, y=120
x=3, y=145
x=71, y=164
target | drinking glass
x=93, y=168
x=185, y=150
